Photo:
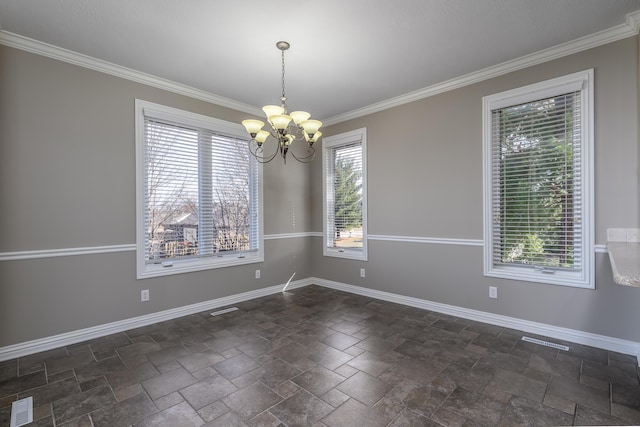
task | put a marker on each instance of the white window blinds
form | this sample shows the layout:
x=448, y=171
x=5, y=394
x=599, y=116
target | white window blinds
x=537, y=150
x=200, y=193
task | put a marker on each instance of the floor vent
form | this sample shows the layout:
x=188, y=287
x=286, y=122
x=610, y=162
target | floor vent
x=22, y=412
x=546, y=343
x=226, y=310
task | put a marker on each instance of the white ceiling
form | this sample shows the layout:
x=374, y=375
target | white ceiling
x=344, y=55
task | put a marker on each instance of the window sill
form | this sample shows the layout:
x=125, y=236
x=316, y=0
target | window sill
x=187, y=266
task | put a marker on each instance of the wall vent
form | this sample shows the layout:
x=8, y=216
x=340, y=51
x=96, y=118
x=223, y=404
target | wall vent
x=226, y=310
x=22, y=412
x=546, y=343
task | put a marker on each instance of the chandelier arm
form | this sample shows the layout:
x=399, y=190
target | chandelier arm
x=306, y=159
x=263, y=159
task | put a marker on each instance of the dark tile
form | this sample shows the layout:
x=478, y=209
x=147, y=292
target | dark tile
x=354, y=413
x=207, y=391
x=292, y=352
x=256, y=346
x=420, y=371
x=301, y=409
x=524, y=412
x=222, y=344
x=227, y=420
x=107, y=346
x=178, y=415
x=369, y=363
x=197, y=361
x=14, y=385
x=448, y=325
x=252, y=400
x=166, y=355
x=340, y=341
x=347, y=327
x=420, y=398
x=579, y=393
x=76, y=405
x=557, y=367
x=169, y=382
x=236, y=366
x=135, y=354
x=8, y=369
x=377, y=345
x=276, y=372
x=51, y=392
x=35, y=362
x=318, y=380
x=586, y=416
x=330, y=357
x=98, y=369
x=364, y=387
x=121, y=378
x=127, y=412
x=83, y=421
x=476, y=407
x=474, y=379
x=519, y=385
x=409, y=418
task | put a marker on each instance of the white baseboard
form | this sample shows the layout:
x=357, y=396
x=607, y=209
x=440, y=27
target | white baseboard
x=565, y=334
x=74, y=337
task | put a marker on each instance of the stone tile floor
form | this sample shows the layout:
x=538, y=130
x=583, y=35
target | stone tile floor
x=319, y=357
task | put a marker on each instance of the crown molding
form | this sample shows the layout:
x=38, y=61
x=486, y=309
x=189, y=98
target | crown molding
x=630, y=28
x=54, y=52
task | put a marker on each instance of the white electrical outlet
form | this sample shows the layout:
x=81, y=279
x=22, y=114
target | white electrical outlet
x=144, y=295
x=257, y=274
x=493, y=292
x=362, y=272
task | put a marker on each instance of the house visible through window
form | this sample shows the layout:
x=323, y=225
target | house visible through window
x=198, y=193
x=538, y=174
x=345, y=231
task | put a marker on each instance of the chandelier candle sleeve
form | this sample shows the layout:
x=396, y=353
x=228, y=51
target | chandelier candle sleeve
x=284, y=127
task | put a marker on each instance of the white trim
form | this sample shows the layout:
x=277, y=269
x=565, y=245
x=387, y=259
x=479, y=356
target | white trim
x=630, y=28
x=565, y=334
x=68, y=338
x=50, y=51
x=428, y=240
x=288, y=236
x=50, y=253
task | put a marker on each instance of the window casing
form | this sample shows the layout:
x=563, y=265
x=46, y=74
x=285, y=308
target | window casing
x=198, y=193
x=345, y=195
x=538, y=182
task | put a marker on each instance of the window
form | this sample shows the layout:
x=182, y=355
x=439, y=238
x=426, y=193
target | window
x=198, y=193
x=538, y=182
x=345, y=195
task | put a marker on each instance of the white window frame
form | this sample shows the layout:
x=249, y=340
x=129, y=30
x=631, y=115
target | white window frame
x=582, y=81
x=144, y=270
x=328, y=143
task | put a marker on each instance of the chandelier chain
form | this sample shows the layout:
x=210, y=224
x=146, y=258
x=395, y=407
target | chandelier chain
x=284, y=98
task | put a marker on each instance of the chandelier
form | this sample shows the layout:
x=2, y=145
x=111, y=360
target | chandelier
x=284, y=127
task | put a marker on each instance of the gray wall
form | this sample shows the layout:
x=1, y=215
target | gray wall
x=427, y=182
x=67, y=180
